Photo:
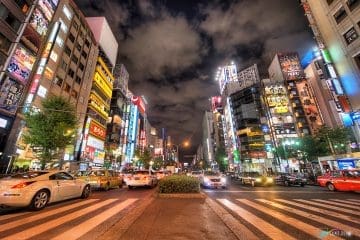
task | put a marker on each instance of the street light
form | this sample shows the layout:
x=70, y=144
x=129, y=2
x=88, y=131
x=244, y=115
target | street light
x=288, y=143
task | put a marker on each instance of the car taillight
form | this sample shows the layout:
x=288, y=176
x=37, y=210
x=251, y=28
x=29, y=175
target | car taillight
x=22, y=184
x=145, y=177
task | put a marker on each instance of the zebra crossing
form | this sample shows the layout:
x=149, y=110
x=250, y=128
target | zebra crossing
x=14, y=226
x=315, y=218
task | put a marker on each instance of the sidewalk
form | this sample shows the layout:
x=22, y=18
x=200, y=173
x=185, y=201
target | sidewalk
x=179, y=216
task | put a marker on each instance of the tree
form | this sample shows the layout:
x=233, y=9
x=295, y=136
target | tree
x=144, y=157
x=220, y=156
x=51, y=129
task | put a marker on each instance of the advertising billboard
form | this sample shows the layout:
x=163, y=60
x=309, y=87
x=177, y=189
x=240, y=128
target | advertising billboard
x=97, y=130
x=216, y=103
x=290, y=66
x=277, y=98
x=248, y=76
x=226, y=74
x=138, y=101
x=21, y=64
x=39, y=22
x=10, y=95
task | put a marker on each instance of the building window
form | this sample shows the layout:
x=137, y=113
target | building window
x=9, y=18
x=340, y=15
x=329, y=1
x=78, y=79
x=22, y=5
x=357, y=60
x=67, y=12
x=74, y=94
x=63, y=65
x=4, y=43
x=76, y=26
x=59, y=41
x=58, y=81
x=81, y=66
x=84, y=54
x=72, y=37
x=78, y=47
x=67, y=51
x=350, y=35
x=67, y=87
x=63, y=26
x=71, y=73
x=87, y=43
x=75, y=59
x=352, y=4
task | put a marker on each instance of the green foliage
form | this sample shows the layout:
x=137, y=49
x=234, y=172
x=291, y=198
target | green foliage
x=179, y=184
x=158, y=163
x=51, y=129
x=220, y=156
x=144, y=157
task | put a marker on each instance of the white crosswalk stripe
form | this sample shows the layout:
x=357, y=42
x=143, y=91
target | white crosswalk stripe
x=345, y=201
x=354, y=200
x=329, y=207
x=248, y=209
x=76, y=231
x=337, y=204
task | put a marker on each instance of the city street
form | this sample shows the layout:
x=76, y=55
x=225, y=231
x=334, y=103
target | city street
x=278, y=212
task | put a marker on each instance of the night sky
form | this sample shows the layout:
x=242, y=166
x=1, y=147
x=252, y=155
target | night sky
x=172, y=49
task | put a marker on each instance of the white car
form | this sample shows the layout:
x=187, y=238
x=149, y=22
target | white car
x=37, y=189
x=142, y=178
x=213, y=180
x=197, y=174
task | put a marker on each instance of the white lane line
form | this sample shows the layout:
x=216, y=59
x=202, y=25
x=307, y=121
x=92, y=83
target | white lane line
x=269, y=191
x=39, y=216
x=85, y=227
x=344, y=201
x=354, y=200
x=323, y=211
x=313, y=217
x=335, y=203
x=266, y=228
x=328, y=206
x=31, y=232
x=304, y=227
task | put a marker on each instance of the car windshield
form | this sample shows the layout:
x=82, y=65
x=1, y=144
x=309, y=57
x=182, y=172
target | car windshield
x=209, y=173
x=352, y=173
x=97, y=173
x=196, y=172
x=254, y=174
x=141, y=172
x=26, y=175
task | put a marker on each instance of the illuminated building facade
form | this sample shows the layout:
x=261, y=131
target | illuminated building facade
x=92, y=143
x=335, y=24
x=64, y=66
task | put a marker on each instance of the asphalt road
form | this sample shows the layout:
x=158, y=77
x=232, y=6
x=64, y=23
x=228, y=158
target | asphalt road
x=281, y=212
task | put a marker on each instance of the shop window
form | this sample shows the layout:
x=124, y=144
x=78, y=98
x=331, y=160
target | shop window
x=340, y=15
x=350, y=35
x=9, y=18
x=352, y=4
x=4, y=43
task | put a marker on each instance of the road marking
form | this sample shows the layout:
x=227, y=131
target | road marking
x=7, y=216
x=355, y=200
x=266, y=228
x=319, y=210
x=39, y=216
x=328, y=206
x=344, y=201
x=31, y=232
x=314, y=217
x=85, y=227
x=335, y=203
x=304, y=227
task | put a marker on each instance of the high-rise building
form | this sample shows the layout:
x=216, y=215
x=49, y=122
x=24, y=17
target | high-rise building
x=64, y=67
x=335, y=24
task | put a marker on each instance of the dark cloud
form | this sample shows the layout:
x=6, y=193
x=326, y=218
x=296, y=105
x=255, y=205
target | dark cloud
x=172, y=49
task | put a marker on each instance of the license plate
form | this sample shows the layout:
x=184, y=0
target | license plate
x=137, y=178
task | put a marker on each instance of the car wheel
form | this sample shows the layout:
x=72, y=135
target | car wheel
x=253, y=184
x=40, y=200
x=302, y=184
x=86, y=192
x=331, y=187
x=107, y=187
x=121, y=184
x=130, y=187
x=287, y=184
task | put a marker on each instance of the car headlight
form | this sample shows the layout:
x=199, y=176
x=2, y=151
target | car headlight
x=206, y=179
x=269, y=179
x=223, y=180
x=258, y=180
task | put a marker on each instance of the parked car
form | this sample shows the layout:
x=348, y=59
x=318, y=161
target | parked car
x=196, y=174
x=36, y=189
x=342, y=180
x=255, y=179
x=126, y=173
x=161, y=174
x=213, y=180
x=102, y=179
x=288, y=179
x=142, y=178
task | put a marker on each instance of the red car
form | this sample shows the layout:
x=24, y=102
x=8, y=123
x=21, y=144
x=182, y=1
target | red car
x=342, y=180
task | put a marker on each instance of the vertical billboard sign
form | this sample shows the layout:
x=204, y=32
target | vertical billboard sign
x=216, y=103
x=290, y=66
x=21, y=64
x=10, y=95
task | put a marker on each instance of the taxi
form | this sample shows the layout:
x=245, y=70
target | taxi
x=341, y=180
x=102, y=179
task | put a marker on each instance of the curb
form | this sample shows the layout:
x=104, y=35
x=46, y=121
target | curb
x=240, y=230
